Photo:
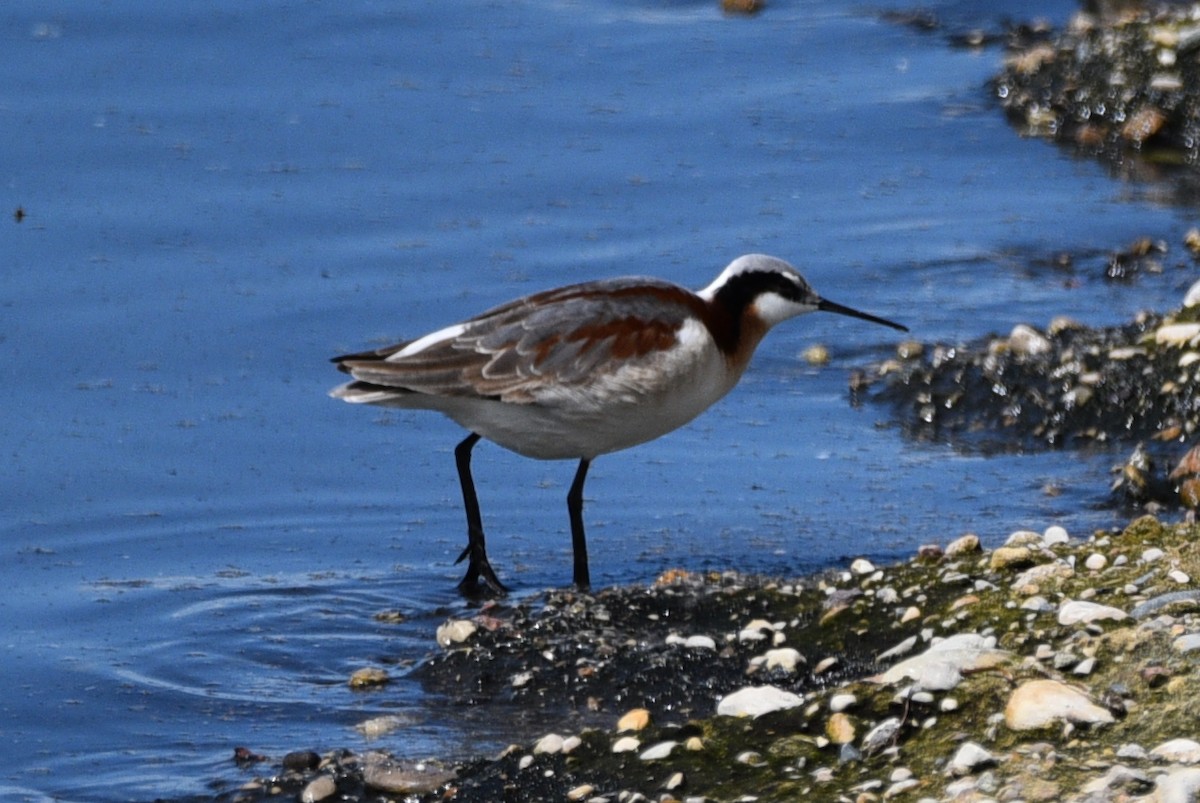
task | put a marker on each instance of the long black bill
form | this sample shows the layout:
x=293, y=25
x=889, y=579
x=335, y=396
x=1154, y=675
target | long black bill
x=831, y=306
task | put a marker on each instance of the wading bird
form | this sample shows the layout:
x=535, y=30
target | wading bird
x=584, y=370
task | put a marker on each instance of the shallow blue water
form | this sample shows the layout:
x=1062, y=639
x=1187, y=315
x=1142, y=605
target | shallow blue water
x=195, y=538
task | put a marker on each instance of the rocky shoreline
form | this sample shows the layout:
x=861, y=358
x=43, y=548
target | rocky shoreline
x=1051, y=668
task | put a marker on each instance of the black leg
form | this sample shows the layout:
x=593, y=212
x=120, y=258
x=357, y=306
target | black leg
x=578, y=540
x=480, y=578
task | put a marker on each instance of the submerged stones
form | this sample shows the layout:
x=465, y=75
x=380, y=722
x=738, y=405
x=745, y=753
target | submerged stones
x=1110, y=86
x=1066, y=386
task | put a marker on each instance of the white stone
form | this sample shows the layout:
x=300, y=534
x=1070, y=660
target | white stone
x=862, y=566
x=754, y=701
x=1074, y=612
x=1037, y=603
x=1188, y=642
x=1180, y=577
x=840, y=702
x=900, y=787
x=455, y=631
x=1095, y=562
x=626, y=744
x=1178, y=785
x=1054, y=535
x=658, y=751
x=948, y=704
x=968, y=756
x=1039, y=703
x=570, y=743
x=1133, y=751
x=1024, y=538
x=785, y=658
x=1027, y=341
x=700, y=643
x=1152, y=554
x=1177, y=334
x=1192, y=297
x=941, y=667
x=550, y=743
x=903, y=648
x=1180, y=751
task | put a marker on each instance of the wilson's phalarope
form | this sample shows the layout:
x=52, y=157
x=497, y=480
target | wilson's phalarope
x=584, y=370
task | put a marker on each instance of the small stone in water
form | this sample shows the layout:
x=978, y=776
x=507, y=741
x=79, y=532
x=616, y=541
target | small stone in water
x=368, y=677
x=815, y=355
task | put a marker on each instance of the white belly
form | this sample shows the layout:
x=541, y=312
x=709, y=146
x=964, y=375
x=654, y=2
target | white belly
x=606, y=416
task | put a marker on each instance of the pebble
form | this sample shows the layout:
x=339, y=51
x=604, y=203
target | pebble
x=754, y=701
x=1074, y=612
x=862, y=566
x=318, y=789
x=1177, y=334
x=1187, y=643
x=785, y=658
x=550, y=744
x=368, y=677
x=840, y=729
x=1011, y=557
x=626, y=744
x=455, y=631
x=700, y=643
x=1178, y=785
x=967, y=758
x=1095, y=562
x=389, y=775
x=1192, y=297
x=941, y=667
x=658, y=751
x=581, y=792
x=910, y=613
x=963, y=545
x=1028, y=342
x=378, y=726
x=1180, y=577
x=840, y=702
x=1152, y=554
x=1055, y=535
x=1182, y=751
x=903, y=648
x=815, y=354
x=1084, y=667
x=634, y=720
x=1039, y=703
x=1037, y=603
